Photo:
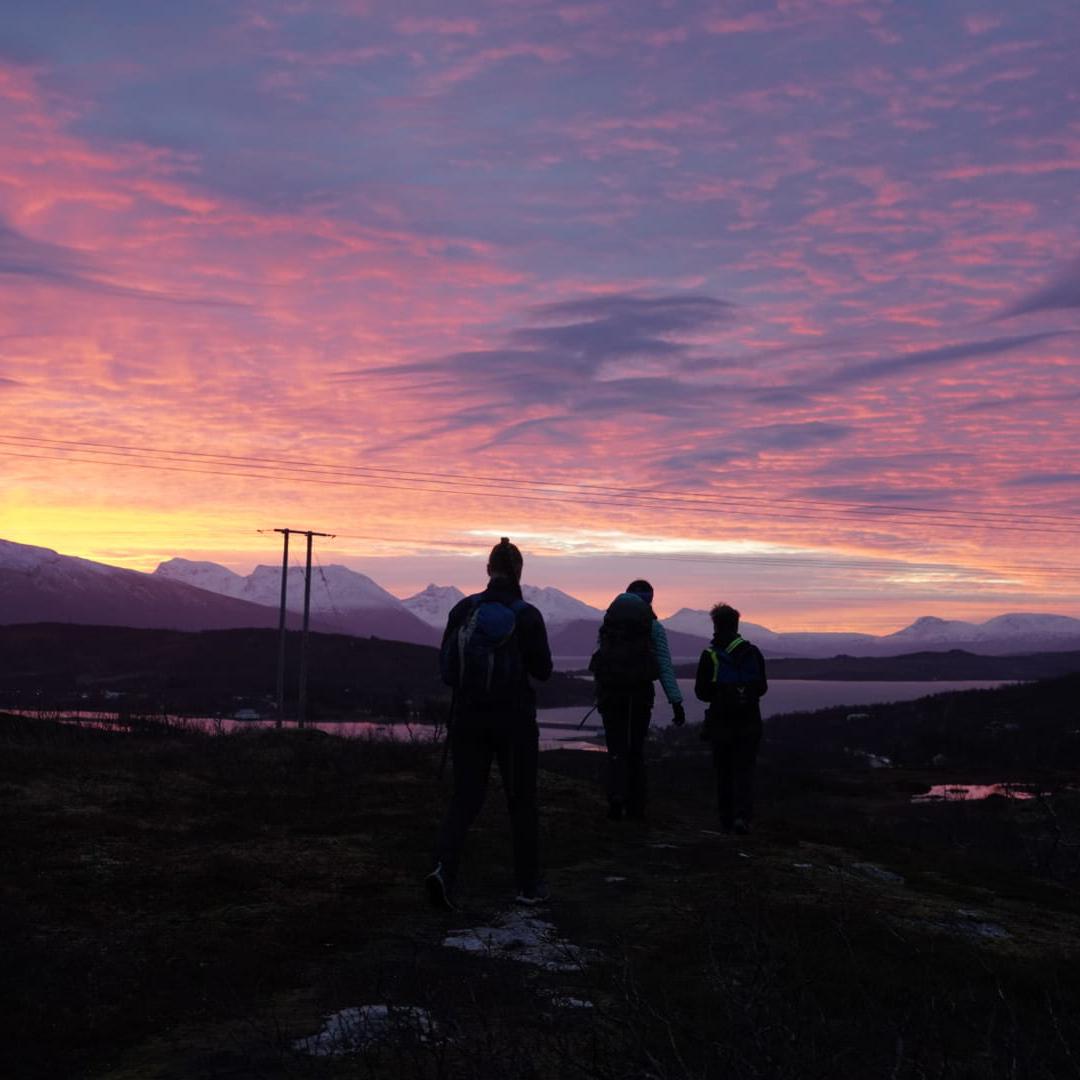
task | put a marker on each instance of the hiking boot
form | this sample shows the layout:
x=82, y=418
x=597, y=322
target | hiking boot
x=538, y=894
x=437, y=890
x=741, y=827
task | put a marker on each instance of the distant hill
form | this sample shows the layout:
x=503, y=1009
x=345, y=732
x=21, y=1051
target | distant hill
x=578, y=639
x=1001, y=635
x=215, y=671
x=39, y=585
x=920, y=667
x=1028, y=725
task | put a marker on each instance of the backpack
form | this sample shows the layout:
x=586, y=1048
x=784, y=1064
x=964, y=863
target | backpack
x=625, y=659
x=736, y=670
x=482, y=660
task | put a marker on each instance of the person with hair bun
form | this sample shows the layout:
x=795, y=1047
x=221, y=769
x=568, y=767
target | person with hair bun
x=493, y=645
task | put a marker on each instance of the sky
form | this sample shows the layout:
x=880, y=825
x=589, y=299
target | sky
x=772, y=302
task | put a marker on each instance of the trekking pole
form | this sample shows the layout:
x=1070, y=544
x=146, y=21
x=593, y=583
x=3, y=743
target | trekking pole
x=586, y=717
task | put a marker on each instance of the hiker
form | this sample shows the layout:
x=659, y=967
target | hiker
x=494, y=641
x=731, y=678
x=631, y=653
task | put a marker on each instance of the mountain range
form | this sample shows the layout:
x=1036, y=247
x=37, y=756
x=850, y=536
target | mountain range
x=39, y=585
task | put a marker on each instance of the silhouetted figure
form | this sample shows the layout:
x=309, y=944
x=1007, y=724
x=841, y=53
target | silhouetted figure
x=494, y=641
x=633, y=651
x=731, y=678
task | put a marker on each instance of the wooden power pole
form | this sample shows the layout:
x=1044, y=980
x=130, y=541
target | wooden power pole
x=301, y=709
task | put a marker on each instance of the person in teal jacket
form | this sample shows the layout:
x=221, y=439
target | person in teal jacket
x=633, y=652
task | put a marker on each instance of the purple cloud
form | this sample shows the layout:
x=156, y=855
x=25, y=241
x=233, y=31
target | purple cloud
x=1061, y=293
x=54, y=264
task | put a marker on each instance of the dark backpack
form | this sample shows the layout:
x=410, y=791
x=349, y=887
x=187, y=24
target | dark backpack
x=482, y=659
x=625, y=658
x=736, y=673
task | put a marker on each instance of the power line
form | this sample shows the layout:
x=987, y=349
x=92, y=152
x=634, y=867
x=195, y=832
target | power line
x=663, y=496
x=619, y=498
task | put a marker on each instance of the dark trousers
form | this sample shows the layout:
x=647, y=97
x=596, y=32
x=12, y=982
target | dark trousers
x=626, y=726
x=734, y=757
x=475, y=740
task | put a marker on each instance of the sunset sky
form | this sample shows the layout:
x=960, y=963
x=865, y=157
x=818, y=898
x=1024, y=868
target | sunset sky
x=774, y=302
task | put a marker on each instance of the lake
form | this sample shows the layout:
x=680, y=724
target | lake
x=558, y=727
x=785, y=695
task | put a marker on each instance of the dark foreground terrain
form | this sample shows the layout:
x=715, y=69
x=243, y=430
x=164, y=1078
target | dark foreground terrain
x=215, y=672
x=184, y=906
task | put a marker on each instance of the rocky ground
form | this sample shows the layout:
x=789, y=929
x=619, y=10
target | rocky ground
x=249, y=906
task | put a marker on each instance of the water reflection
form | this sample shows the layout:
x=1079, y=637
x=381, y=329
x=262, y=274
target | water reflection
x=974, y=792
x=554, y=737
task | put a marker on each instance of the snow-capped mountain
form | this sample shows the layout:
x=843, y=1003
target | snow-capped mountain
x=344, y=599
x=40, y=585
x=433, y=604
x=557, y=607
x=698, y=624
x=1015, y=633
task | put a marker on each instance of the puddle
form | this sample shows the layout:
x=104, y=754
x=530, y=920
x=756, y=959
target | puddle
x=521, y=937
x=350, y=1030
x=975, y=792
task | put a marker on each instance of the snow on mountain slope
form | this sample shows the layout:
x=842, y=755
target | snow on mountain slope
x=930, y=630
x=343, y=599
x=1035, y=625
x=557, y=607
x=698, y=624
x=40, y=585
x=1002, y=634
x=203, y=575
x=332, y=587
x=690, y=621
x=433, y=604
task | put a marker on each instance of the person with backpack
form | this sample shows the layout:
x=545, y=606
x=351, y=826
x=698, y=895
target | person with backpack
x=632, y=652
x=731, y=678
x=493, y=644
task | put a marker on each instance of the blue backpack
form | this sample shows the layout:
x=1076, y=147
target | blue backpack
x=736, y=671
x=482, y=660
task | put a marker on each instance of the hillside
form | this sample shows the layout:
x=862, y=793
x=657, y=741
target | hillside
x=38, y=585
x=1029, y=726
x=249, y=907
x=217, y=671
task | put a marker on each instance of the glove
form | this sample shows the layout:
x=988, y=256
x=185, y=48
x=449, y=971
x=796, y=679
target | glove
x=678, y=717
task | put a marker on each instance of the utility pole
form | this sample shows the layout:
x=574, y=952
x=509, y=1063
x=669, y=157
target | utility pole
x=301, y=710
x=281, y=631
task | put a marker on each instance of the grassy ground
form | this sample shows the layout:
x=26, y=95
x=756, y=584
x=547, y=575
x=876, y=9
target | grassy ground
x=188, y=907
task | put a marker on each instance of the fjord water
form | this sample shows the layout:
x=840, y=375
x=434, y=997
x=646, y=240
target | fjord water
x=792, y=695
